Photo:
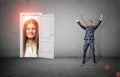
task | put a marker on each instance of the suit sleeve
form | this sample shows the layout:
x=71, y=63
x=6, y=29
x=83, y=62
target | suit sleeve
x=98, y=24
x=82, y=26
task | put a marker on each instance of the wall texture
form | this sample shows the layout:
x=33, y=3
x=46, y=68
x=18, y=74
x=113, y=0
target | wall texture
x=69, y=37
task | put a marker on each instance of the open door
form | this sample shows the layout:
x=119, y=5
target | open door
x=46, y=33
x=47, y=36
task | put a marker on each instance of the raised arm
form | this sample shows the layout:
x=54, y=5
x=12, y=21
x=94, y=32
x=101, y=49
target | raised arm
x=77, y=20
x=100, y=20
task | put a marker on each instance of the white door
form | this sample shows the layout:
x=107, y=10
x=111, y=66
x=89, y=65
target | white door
x=46, y=40
x=46, y=33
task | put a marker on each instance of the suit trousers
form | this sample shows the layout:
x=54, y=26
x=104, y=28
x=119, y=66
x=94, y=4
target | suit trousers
x=86, y=45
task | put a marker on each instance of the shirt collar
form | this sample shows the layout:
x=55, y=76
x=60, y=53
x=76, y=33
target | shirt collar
x=89, y=26
x=27, y=45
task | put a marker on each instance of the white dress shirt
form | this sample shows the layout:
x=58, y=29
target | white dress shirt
x=29, y=52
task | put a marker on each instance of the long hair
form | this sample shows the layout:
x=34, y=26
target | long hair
x=36, y=36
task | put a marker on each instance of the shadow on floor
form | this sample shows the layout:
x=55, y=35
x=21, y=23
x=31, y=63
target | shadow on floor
x=58, y=67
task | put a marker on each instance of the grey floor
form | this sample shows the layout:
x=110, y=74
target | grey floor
x=58, y=67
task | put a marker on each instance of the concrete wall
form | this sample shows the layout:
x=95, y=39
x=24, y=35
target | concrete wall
x=69, y=37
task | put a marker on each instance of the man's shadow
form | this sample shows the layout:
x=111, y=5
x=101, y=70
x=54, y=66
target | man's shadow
x=98, y=36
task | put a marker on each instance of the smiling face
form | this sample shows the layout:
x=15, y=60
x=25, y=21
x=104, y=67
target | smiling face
x=90, y=22
x=31, y=31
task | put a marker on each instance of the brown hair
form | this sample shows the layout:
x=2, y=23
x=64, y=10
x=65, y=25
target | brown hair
x=36, y=36
x=90, y=21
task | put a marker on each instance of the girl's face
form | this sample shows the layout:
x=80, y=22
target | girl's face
x=31, y=30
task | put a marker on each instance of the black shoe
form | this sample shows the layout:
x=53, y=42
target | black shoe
x=83, y=62
x=94, y=62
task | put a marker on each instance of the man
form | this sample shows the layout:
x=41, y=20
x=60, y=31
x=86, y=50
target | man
x=89, y=36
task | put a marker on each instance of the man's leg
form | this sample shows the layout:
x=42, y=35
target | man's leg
x=86, y=44
x=93, y=50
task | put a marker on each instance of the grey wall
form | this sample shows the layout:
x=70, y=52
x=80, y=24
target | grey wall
x=68, y=35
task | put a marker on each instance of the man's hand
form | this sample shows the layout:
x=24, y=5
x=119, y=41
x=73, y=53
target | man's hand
x=101, y=16
x=76, y=18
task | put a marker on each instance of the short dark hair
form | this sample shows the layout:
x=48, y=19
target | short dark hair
x=90, y=21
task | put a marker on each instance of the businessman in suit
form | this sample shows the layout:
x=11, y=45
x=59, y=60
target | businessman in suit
x=89, y=36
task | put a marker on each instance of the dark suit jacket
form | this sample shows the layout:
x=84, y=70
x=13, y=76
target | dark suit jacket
x=89, y=30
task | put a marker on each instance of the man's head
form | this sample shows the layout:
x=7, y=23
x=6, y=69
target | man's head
x=90, y=22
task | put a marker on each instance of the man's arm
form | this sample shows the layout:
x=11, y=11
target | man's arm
x=82, y=26
x=100, y=20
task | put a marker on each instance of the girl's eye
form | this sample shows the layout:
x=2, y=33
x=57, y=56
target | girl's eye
x=28, y=28
x=33, y=28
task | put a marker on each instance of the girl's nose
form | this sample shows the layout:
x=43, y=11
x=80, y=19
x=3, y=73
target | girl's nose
x=30, y=30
